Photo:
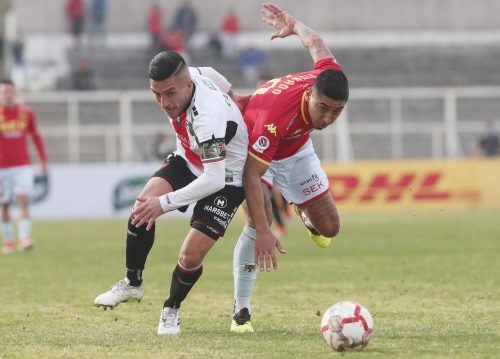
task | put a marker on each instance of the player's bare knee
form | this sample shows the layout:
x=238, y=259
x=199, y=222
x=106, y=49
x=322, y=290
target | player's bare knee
x=332, y=232
x=190, y=259
x=330, y=229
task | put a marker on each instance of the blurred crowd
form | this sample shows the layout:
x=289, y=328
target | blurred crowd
x=175, y=34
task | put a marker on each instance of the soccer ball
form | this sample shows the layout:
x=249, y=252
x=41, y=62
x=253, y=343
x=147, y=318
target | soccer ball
x=347, y=326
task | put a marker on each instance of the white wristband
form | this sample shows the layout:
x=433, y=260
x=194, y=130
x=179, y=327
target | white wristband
x=165, y=203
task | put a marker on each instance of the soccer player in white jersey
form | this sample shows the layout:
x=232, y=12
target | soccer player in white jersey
x=205, y=169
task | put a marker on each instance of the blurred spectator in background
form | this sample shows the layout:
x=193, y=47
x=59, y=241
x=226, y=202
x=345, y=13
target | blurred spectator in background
x=98, y=20
x=488, y=143
x=229, y=30
x=155, y=26
x=19, y=71
x=173, y=40
x=249, y=61
x=215, y=45
x=83, y=76
x=186, y=20
x=76, y=15
x=18, y=48
x=16, y=174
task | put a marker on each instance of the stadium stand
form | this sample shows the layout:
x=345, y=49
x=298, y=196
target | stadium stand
x=367, y=67
x=424, y=46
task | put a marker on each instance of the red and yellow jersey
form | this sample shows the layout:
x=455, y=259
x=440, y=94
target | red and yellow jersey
x=277, y=115
x=16, y=123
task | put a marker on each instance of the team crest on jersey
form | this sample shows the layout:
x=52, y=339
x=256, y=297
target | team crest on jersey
x=271, y=128
x=261, y=144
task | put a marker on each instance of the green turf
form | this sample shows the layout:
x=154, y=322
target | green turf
x=431, y=282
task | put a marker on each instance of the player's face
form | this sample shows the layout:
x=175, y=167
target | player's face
x=324, y=110
x=172, y=94
x=7, y=95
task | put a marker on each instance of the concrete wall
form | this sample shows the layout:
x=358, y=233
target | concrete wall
x=349, y=15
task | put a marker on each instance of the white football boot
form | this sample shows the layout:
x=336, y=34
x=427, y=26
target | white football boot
x=170, y=322
x=121, y=292
x=25, y=244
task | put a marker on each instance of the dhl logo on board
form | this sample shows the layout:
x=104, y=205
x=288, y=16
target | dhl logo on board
x=415, y=184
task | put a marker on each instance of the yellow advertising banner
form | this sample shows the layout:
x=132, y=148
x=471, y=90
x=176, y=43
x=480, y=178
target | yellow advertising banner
x=415, y=184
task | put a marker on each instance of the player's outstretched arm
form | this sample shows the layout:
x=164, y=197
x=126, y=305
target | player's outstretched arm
x=287, y=25
x=266, y=242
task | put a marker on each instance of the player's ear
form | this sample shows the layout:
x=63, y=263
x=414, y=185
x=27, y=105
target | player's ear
x=189, y=83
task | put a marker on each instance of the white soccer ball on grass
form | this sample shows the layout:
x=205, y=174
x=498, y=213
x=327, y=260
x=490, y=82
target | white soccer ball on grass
x=347, y=325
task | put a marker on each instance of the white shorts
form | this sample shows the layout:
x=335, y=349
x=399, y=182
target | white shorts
x=16, y=181
x=300, y=177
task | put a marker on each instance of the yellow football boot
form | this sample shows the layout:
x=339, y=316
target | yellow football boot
x=320, y=240
x=241, y=322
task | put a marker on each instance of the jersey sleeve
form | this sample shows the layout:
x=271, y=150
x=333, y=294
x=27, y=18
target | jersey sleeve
x=210, y=181
x=210, y=126
x=209, y=72
x=328, y=63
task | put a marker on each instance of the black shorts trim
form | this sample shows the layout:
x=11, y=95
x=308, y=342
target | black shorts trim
x=206, y=229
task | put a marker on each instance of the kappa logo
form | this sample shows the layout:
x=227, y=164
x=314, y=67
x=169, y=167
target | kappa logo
x=261, y=144
x=271, y=128
x=221, y=202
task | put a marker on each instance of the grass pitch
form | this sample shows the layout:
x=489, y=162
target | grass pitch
x=431, y=282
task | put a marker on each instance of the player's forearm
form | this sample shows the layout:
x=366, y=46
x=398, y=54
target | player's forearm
x=211, y=181
x=40, y=148
x=255, y=202
x=312, y=41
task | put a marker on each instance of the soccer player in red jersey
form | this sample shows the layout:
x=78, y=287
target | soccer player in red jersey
x=16, y=175
x=279, y=116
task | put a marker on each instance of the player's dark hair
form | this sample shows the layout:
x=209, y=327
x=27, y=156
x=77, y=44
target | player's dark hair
x=333, y=84
x=166, y=64
x=6, y=82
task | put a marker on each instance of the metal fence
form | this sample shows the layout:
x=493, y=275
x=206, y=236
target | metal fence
x=378, y=123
